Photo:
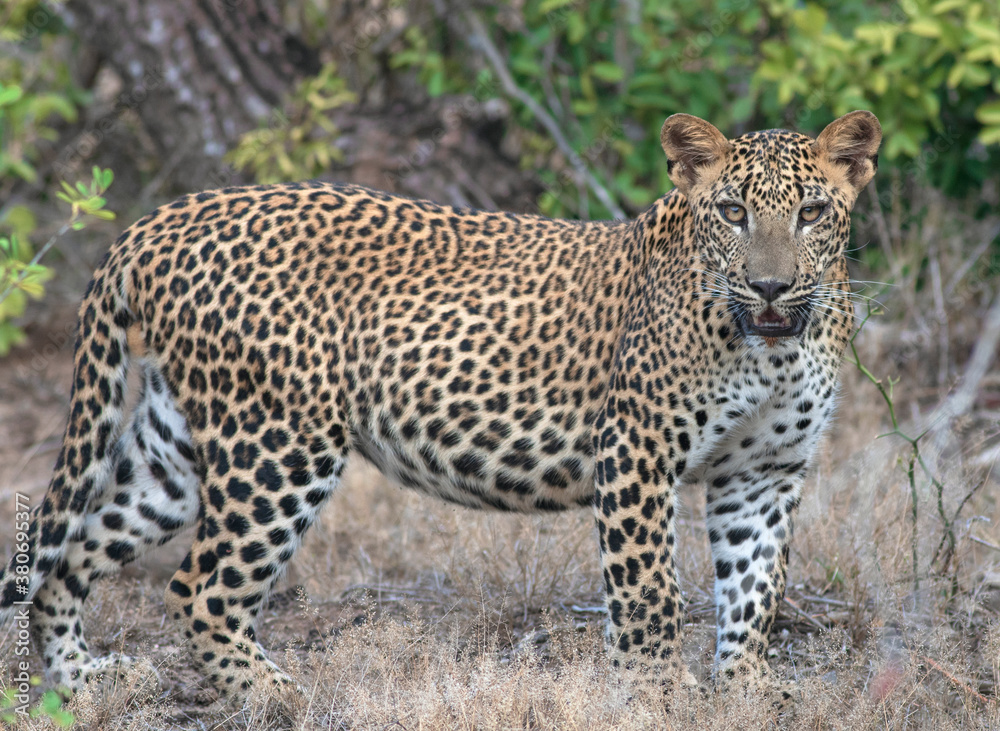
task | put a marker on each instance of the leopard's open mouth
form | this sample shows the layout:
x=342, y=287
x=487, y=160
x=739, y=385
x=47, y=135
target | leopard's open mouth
x=771, y=324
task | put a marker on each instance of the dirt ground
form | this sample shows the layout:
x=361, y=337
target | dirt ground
x=402, y=612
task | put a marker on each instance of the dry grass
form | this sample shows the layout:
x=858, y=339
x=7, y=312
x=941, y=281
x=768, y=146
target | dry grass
x=401, y=612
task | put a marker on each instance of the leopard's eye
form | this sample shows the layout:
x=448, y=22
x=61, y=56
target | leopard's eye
x=733, y=213
x=808, y=214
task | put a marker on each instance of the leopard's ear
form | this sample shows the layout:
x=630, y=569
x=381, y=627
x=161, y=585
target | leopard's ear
x=852, y=141
x=692, y=145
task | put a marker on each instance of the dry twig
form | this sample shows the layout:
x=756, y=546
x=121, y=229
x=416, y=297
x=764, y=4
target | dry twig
x=807, y=617
x=958, y=683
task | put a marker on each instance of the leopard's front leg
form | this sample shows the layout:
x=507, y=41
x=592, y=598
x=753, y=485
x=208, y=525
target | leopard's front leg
x=749, y=517
x=635, y=518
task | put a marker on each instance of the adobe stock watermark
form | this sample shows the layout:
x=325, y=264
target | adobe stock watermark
x=375, y=23
x=224, y=175
x=485, y=92
x=88, y=141
x=569, y=179
x=559, y=17
x=39, y=18
x=22, y=569
x=27, y=371
x=914, y=168
x=719, y=23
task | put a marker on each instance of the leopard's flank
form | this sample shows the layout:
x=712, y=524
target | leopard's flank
x=494, y=360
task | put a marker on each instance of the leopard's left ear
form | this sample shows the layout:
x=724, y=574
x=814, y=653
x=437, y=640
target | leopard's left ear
x=853, y=140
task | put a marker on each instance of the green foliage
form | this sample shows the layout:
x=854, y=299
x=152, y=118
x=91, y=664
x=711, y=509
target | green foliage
x=50, y=707
x=88, y=200
x=930, y=69
x=22, y=276
x=299, y=144
x=23, y=124
x=35, y=94
x=605, y=71
x=433, y=69
x=609, y=73
x=15, y=265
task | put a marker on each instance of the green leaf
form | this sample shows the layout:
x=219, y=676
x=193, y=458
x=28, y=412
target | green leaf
x=576, y=28
x=436, y=82
x=51, y=702
x=10, y=335
x=945, y=5
x=925, y=28
x=931, y=104
x=21, y=220
x=902, y=143
x=976, y=75
x=811, y=20
x=9, y=95
x=989, y=113
x=405, y=58
x=742, y=108
x=526, y=66
x=983, y=52
x=652, y=100
x=23, y=170
x=882, y=35
x=648, y=80
x=13, y=306
x=548, y=6
x=990, y=135
x=45, y=104
x=31, y=288
x=607, y=71
x=955, y=75
x=984, y=30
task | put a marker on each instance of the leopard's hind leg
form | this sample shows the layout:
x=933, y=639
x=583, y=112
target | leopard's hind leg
x=150, y=496
x=257, y=504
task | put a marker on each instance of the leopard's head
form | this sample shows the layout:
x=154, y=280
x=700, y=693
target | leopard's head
x=771, y=211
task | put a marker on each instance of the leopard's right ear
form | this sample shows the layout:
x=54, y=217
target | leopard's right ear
x=692, y=145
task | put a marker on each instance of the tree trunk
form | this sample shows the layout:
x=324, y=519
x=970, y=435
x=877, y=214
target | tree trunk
x=198, y=73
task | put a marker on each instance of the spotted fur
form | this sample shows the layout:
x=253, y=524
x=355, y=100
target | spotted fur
x=495, y=360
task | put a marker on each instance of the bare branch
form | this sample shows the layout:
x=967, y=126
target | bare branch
x=481, y=38
x=980, y=362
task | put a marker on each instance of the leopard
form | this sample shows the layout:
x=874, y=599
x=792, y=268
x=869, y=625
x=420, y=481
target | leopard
x=495, y=360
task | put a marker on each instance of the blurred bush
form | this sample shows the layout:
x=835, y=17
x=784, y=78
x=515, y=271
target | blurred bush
x=929, y=69
x=35, y=98
x=610, y=73
x=300, y=143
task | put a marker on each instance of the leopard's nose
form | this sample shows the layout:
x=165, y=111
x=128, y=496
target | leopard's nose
x=770, y=289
